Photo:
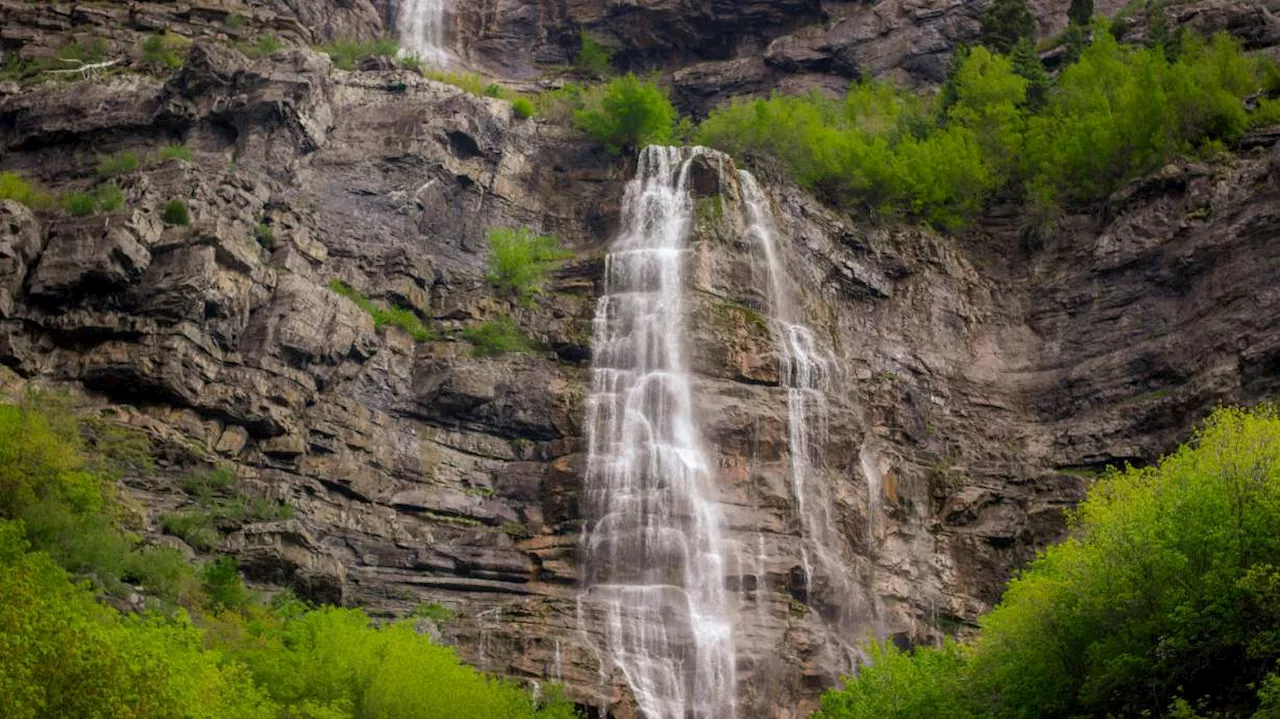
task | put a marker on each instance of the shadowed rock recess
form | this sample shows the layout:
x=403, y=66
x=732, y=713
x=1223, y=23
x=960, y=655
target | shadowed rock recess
x=971, y=385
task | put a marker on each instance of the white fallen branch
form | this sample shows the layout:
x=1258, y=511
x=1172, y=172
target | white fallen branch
x=85, y=69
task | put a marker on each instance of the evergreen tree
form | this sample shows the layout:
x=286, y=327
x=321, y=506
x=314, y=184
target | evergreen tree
x=1005, y=23
x=1075, y=41
x=1081, y=11
x=1026, y=63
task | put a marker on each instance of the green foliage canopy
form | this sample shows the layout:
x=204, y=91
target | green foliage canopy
x=1165, y=601
x=1118, y=113
x=629, y=113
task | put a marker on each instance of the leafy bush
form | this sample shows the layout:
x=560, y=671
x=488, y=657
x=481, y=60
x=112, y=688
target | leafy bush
x=469, y=82
x=412, y=62
x=164, y=51
x=1166, y=597
x=1006, y=23
x=630, y=113
x=400, y=317
x=436, y=613
x=265, y=236
x=1080, y=12
x=335, y=662
x=221, y=582
x=110, y=198
x=519, y=260
x=176, y=213
x=118, y=163
x=195, y=527
x=560, y=104
x=593, y=58
x=174, y=151
x=522, y=107
x=79, y=204
x=497, y=336
x=13, y=187
x=66, y=654
x=1116, y=114
x=347, y=54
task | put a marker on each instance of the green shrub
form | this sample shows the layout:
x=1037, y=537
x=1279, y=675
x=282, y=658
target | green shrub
x=1007, y=22
x=559, y=105
x=110, y=198
x=1165, y=597
x=413, y=62
x=118, y=163
x=265, y=236
x=13, y=187
x=522, y=107
x=221, y=582
x=497, y=336
x=436, y=613
x=347, y=54
x=593, y=58
x=234, y=21
x=174, y=151
x=164, y=51
x=79, y=204
x=66, y=655
x=204, y=486
x=176, y=213
x=400, y=317
x=629, y=114
x=1080, y=12
x=519, y=260
x=469, y=82
x=195, y=527
x=1116, y=114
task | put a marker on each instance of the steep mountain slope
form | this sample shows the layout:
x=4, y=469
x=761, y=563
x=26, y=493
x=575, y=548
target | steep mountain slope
x=978, y=380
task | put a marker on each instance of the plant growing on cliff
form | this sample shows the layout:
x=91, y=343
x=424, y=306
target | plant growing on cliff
x=164, y=51
x=1005, y=23
x=593, y=58
x=347, y=54
x=1116, y=114
x=174, y=151
x=118, y=163
x=627, y=114
x=79, y=204
x=175, y=212
x=523, y=108
x=519, y=261
x=497, y=336
x=1166, y=597
x=400, y=317
x=14, y=187
x=110, y=198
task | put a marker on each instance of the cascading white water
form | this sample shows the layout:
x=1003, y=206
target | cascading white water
x=420, y=25
x=653, y=556
x=806, y=374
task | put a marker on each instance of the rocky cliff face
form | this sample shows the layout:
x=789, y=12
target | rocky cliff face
x=981, y=380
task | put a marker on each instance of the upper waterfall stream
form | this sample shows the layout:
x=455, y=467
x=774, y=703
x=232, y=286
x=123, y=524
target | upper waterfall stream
x=654, y=555
x=421, y=25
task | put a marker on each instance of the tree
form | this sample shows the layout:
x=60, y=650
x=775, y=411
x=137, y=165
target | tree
x=1026, y=64
x=1075, y=41
x=1080, y=12
x=1005, y=23
x=630, y=114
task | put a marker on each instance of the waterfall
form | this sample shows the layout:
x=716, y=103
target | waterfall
x=420, y=25
x=806, y=373
x=653, y=554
